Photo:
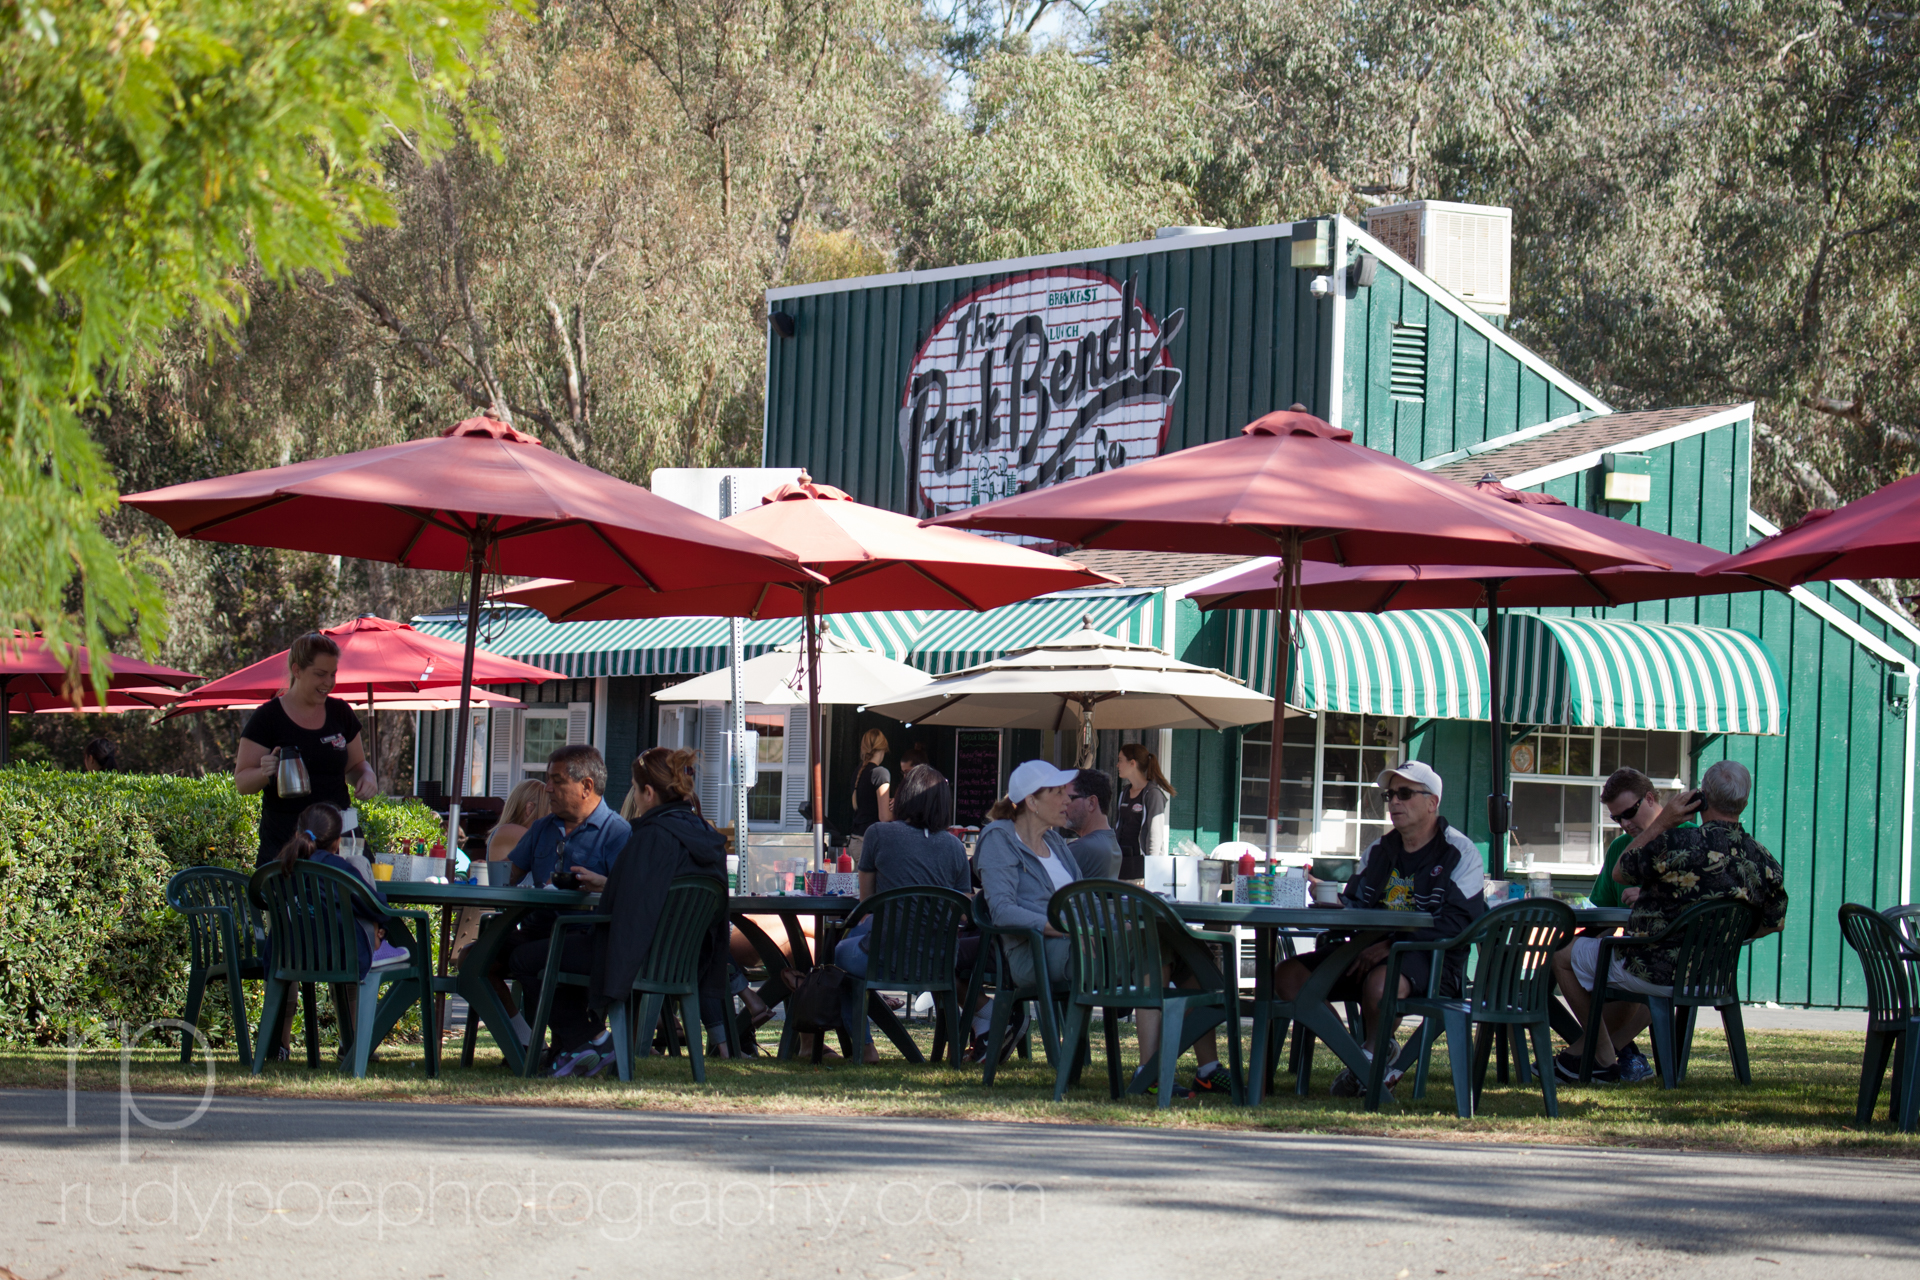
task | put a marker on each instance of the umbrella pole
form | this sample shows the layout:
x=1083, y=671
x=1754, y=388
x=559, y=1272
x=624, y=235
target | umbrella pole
x=1499, y=807
x=373, y=737
x=1285, y=580
x=6, y=722
x=476, y=563
x=815, y=785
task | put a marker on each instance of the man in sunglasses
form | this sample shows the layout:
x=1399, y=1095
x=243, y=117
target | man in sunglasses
x=1423, y=864
x=1095, y=847
x=1632, y=802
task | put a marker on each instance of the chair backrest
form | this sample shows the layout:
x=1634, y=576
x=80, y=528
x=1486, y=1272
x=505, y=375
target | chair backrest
x=916, y=931
x=1513, y=970
x=1893, y=984
x=1708, y=938
x=1907, y=921
x=200, y=887
x=673, y=958
x=1113, y=935
x=311, y=931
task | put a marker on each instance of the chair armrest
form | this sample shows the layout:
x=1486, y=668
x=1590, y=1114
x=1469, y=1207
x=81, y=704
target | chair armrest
x=1437, y=944
x=569, y=921
x=405, y=913
x=1210, y=936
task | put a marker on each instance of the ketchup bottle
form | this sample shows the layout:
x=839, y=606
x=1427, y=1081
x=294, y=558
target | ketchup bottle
x=846, y=862
x=1246, y=864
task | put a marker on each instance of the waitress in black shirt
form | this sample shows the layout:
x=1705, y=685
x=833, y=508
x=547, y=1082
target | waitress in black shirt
x=324, y=730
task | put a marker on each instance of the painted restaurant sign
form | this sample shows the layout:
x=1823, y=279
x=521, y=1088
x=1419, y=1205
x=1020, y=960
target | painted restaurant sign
x=1037, y=379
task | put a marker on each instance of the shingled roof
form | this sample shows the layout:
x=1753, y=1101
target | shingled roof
x=1152, y=569
x=1524, y=452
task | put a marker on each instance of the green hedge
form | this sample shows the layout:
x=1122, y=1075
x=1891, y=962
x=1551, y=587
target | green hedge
x=87, y=941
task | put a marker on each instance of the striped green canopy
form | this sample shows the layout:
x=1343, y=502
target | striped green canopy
x=1639, y=675
x=1429, y=663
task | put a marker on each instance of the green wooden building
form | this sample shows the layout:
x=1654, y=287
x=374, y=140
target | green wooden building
x=926, y=391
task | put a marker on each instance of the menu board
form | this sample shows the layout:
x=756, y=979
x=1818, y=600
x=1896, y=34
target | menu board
x=976, y=775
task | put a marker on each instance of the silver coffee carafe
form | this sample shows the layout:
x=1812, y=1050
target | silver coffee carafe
x=292, y=781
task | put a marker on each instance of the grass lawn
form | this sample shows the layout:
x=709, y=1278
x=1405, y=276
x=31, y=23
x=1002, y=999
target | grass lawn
x=1801, y=1101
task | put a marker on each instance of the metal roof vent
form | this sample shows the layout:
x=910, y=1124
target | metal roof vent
x=1467, y=249
x=1168, y=233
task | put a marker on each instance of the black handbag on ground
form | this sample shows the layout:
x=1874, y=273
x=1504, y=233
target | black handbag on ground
x=815, y=998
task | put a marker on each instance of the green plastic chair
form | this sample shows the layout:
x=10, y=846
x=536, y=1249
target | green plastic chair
x=1121, y=938
x=313, y=936
x=911, y=948
x=992, y=970
x=226, y=933
x=1906, y=921
x=1706, y=940
x=1893, y=1016
x=1511, y=985
x=671, y=972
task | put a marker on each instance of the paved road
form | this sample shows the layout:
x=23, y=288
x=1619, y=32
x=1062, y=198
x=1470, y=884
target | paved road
x=297, y=1188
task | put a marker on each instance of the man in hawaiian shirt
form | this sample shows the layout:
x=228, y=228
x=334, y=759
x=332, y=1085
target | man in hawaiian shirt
x=1674, y=867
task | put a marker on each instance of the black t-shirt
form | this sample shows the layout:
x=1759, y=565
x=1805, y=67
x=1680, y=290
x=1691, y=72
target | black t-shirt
x=866, y=796
x=325, y=752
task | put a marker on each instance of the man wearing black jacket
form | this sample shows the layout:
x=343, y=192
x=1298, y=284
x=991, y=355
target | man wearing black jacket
x=1423, y=864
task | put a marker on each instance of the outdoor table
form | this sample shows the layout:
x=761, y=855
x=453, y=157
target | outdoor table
x=1311, y=1008
x=790, y=907
x=509, y=903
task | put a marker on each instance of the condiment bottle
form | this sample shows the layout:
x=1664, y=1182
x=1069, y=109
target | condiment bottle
x=1246, y=864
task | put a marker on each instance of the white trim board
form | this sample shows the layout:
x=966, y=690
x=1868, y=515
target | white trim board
x=1008, y=266
x=1475, y=321
x=1591, y=458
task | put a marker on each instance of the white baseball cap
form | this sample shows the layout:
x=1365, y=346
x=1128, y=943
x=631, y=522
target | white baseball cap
x=1035, y=774
x=1415, y=772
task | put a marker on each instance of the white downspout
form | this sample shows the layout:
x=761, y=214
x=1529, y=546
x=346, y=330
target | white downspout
x=1906, y=792
x=1337, y=346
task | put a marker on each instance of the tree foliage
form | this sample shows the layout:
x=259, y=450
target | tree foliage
x=150, y=152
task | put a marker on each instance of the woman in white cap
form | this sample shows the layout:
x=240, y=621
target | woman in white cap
x=1023, y=861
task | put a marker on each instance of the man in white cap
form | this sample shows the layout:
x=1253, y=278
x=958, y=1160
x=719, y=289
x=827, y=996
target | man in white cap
x=1423, y=864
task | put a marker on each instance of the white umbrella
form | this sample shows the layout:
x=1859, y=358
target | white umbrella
x=1070, y=681
x=848, y=674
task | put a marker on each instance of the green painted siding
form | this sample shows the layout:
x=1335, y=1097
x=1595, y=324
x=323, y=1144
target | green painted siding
x=1474, y=389
x=1205, y=768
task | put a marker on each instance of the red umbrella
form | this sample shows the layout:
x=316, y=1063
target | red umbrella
x=376, y=656
x=1380, y=588
x=1293, y=484
x=868, y=558
x=478, y=497
x=136, y=699
x=1877, y=536
x=28, y=668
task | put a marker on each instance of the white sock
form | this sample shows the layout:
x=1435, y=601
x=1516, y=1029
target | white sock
x=521, y=1029
x=1207, y=1070
x=983, y=1019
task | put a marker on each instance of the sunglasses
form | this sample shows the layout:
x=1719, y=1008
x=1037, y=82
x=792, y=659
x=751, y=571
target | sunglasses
x=1627, y=812
x=1402, y=794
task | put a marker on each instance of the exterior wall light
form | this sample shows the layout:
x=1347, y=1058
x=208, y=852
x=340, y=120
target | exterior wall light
x=1629, y=477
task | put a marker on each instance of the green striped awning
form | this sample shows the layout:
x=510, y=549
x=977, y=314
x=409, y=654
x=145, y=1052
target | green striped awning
x=1430, y=663
x=954, y=641
x=936, y=641
x=1639, y=675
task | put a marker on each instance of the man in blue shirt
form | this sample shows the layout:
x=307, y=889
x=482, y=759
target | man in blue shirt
x=581, y=833
x=582, y=836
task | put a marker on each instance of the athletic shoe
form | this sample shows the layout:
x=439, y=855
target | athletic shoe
x=1566, y=1068
x=1348, y=1085
x=1218, y=1081
x=1633, y=1068
x=582, y=1062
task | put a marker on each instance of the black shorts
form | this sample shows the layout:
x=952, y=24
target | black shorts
x=1416, y=967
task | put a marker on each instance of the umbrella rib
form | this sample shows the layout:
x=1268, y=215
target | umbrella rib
x=578, y=605
x=625, y=559
x=1197, y=711
x=971, y=604
x=430, y=518
x=194, y=531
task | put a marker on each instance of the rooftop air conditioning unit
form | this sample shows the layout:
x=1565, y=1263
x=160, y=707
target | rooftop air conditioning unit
x=1467, y=249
